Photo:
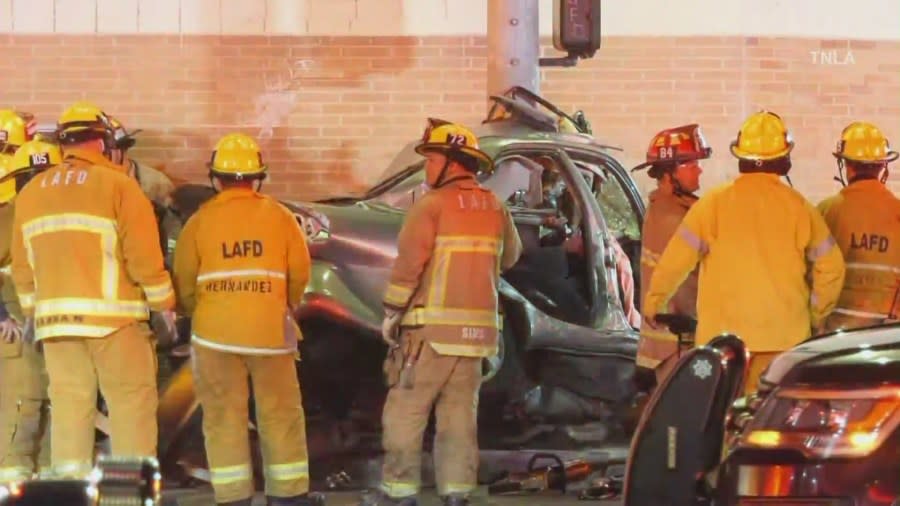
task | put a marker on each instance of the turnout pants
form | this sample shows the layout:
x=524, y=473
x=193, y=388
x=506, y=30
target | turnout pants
x=124, y=365
x=221, y=385
x=449, y=384
x=758, y=363
x=24, y=412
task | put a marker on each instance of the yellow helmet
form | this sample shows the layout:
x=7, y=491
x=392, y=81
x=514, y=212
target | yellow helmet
x=863, y=142
x=448, y=137
x=36, y=155
x=13, y=129
x=7, y=185
x=763, y=136
x=237, y=156
x=83, y=121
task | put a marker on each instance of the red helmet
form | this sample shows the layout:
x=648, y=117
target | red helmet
x=672, y=146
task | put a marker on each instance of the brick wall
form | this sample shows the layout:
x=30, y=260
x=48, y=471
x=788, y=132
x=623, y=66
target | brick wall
x=331, y=110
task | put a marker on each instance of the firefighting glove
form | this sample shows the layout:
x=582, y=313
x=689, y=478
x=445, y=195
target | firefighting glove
x=163, y=325
x=390, y=327
x=28, y=331
x=10, y=331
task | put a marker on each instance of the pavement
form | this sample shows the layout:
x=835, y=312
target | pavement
x=203, y=497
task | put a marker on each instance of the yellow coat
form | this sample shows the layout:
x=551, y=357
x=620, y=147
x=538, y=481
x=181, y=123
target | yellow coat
x=85, y=250
x=865, y=221
x=664, y=215
x=453, y=245
x=241, y=266
x=8, y=294
x=756, y=240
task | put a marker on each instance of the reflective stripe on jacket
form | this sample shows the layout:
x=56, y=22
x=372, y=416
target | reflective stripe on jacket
x=241, y=266
x=756, y=241
x=864, y=219
x=451, y=249
x=8, y=295
x=664, y=215
x=85, y=256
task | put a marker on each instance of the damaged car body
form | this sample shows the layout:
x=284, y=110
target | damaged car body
x=563, y=378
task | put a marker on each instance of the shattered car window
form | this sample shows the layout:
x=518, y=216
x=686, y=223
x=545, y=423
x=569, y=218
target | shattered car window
x=618, y=211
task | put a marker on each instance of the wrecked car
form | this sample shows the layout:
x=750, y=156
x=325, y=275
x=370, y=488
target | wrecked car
x=562, y=379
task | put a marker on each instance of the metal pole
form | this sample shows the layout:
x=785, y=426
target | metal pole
x=513, y=45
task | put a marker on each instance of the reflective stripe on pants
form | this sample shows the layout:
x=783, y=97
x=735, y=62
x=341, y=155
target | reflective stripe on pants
x=24, y=412
x=123, y=364
x=450, y=384
x=220, y=380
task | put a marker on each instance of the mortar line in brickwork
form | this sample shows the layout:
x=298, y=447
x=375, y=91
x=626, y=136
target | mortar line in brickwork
x=744, y=77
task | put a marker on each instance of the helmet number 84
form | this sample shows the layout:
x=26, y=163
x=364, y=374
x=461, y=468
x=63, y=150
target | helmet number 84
x=666, y=152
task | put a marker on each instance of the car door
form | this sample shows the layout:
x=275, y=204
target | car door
x=619, y=200
x=599, y=282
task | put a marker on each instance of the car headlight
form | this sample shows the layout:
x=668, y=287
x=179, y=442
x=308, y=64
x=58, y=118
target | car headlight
x=825, y=423
x=315, y=225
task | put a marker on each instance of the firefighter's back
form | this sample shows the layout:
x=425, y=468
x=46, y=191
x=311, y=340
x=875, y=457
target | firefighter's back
x=70, y=217
x=242, y=245
x=865, y=221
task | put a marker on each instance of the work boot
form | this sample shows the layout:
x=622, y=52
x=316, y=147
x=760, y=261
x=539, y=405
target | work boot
x=379, y=498
x=243, y=502
x=455, y=500
x=311, y=499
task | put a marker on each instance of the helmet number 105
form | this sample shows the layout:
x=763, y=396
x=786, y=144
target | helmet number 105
x=40, y=158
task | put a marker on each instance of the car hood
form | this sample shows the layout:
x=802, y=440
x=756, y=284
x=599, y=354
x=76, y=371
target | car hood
x=369, y=229
x=869, y=356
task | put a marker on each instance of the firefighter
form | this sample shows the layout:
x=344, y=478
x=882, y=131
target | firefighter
x=753, y=238
x=16, y=128
x=865, y=221
x=243, y=253
x=156, y=185
x=458, y=230
x=24, y=403
x=87, y=271
x=673, y=160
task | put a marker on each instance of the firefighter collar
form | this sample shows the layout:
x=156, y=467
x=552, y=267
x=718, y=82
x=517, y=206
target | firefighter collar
x=686, y=200
x=465, y=182
x=236, y=193
x=93, y=158
x=864, y=185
